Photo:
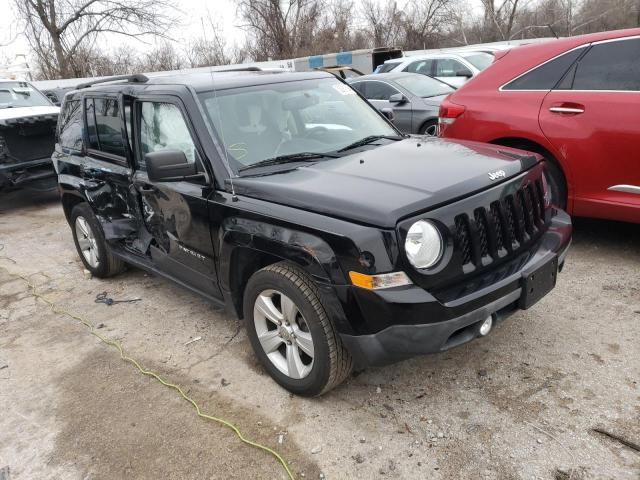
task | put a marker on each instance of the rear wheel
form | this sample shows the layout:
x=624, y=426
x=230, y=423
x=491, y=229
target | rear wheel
x=290, y=332
x=91, y=244
x=430, y=128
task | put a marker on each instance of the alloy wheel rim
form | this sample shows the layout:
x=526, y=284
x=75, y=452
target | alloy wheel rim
x=431, y=130
x=87, y=242
x=283, y=334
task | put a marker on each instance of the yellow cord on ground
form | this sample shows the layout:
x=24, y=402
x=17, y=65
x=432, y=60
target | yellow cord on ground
x=112, y=343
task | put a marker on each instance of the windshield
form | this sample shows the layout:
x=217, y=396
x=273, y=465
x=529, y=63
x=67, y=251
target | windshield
x=267, y=121
x=480, y=60
x=21, y=94
x=423, y=86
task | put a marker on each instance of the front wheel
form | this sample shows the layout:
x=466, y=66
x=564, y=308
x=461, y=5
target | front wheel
x=290, y=332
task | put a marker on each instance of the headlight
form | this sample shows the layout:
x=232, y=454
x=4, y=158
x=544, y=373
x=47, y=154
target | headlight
x=423, y=245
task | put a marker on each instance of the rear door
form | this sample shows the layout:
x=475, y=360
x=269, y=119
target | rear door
x=175, y=213
x=105, y=169
x=593, y=118
x=447, y=70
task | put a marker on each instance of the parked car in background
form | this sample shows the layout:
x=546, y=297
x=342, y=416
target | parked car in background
x=415, y=99
x=452, y=68
x=293, y=202
x=27, y=137
x=576, y=101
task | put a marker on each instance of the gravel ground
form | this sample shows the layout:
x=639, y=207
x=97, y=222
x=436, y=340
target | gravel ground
x=518, y=404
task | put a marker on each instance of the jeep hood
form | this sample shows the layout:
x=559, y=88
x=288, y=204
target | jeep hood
x=379, y=186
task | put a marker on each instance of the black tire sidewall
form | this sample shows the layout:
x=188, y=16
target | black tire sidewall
x=427, y=124
x=83, y=210
x=557, y=184
x=314, y=383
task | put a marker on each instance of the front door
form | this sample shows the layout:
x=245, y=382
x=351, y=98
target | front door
x=595, y=122
x=378, y=93
x=175, y=213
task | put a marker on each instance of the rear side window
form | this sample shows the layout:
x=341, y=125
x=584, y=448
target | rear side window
x=70, y=125
x=547, y=75
x=610, y=66
x=104, y=126
x=387, y=67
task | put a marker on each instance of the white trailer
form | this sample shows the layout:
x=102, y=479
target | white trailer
x=365, y=60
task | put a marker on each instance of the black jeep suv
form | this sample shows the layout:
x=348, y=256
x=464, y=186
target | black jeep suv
x=293, y=202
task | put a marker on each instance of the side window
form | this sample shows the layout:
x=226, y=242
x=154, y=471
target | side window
x=104, y=126
x=421, y=66
x=162, y=127
x=379, y=91
x=447, y=67
x=547, y=75
x=610, y=66
x=70, y=125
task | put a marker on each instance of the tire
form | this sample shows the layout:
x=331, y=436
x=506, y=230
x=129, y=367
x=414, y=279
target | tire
x=557, y=183
x=87, y=233
x=429, y=128
x=288, y=289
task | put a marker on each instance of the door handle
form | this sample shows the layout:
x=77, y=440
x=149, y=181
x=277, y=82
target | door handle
x=147, y=189
x=574, y=110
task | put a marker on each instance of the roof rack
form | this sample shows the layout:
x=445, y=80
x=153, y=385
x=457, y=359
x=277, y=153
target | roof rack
x=136, y=78
x=242, y=69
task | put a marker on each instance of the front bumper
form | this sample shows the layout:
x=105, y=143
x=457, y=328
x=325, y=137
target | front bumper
x=458, y=321
x=21, y=173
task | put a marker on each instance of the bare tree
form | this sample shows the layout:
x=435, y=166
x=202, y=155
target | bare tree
x=280, y=28
x=65, y=28
x=499, y=17
x=383, y=22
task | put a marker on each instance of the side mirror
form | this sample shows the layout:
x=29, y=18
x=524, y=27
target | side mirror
x=464, y=72
x=168, y=165
x=398, y=98
x=388, y=112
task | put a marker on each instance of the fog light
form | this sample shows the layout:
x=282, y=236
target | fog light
x=485, y=328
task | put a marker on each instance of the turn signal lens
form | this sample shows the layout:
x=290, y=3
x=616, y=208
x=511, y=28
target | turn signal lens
x=375, y=282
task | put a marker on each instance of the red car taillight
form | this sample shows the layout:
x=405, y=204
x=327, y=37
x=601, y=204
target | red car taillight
x=449, y=111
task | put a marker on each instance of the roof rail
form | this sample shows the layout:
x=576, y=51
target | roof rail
x=241, y=69
x=136, y=78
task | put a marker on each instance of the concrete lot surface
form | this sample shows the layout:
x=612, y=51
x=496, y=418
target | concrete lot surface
x=518, y=404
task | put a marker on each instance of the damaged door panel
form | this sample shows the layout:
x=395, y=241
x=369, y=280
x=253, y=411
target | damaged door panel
x=107, y=176
x=174, y=213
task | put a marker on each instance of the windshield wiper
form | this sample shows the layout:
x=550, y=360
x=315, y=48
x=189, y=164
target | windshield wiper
x=290, y=158
x=368, y=140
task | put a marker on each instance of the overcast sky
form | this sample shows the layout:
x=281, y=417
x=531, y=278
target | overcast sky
x=223, y=13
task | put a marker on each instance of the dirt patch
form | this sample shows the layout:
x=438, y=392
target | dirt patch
x=116, y=423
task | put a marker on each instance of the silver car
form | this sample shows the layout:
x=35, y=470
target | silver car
x=415, y=99
x=454, y=68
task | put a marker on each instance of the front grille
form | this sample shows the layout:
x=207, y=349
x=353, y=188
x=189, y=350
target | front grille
x=502, y=227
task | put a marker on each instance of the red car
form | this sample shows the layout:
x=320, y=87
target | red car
x=576, y=101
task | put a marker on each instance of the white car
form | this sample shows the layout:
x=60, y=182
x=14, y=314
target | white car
x=452, y=68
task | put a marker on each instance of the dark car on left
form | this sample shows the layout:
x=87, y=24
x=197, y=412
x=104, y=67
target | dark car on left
x=27, y=137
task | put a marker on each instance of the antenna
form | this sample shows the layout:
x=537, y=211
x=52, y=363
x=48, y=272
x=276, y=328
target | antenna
x=234, y=197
